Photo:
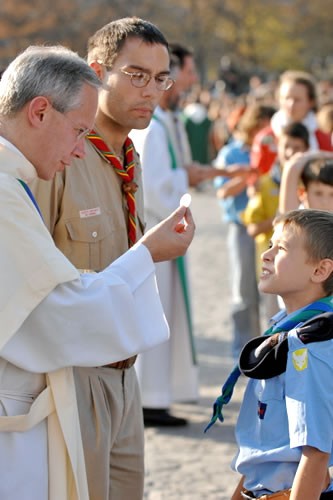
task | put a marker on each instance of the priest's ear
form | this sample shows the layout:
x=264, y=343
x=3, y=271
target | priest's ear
x=38, y=110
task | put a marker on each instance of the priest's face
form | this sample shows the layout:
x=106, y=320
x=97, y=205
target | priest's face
x=63, y=134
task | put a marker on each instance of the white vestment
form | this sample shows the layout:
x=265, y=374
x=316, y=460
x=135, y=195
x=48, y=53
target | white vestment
x=53, y=318
x=167, y=373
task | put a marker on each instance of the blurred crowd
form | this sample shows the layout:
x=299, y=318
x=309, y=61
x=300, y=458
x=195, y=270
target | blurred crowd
x=281, y=132
x=216, y=111
x=94, y=157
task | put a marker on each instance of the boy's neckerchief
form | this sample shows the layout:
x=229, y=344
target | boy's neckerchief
x=286, y=324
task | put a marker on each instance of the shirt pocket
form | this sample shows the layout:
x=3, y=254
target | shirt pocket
x=86, y=239
x=271, y=412
x=271, y=389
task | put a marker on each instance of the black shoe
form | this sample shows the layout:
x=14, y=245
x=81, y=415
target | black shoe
x=153, y=417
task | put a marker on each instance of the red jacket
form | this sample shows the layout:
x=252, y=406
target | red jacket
x=264, y=148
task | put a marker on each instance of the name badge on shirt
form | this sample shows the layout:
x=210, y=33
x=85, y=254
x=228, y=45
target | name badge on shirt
x=89, y=212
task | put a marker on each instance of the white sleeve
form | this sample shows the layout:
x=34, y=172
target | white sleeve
x=98, y=319
x=163, y=185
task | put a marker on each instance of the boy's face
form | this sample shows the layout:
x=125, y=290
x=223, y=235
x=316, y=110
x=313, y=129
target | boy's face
x=288, y=146
x=318, y=196
x=286, y=268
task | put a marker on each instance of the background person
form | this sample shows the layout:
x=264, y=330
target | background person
x=232, y=195
x=169, y=373
x=307, y=181
x=263, y=205
x=297, y=103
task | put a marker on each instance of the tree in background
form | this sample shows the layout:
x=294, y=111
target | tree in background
x=256, y=35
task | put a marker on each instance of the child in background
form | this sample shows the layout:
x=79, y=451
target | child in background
x=285, y=426
x=263, y=204
x=233, y=198
x=298, y=103
x=315, y=171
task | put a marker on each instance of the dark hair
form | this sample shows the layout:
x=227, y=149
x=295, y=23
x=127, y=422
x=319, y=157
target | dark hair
x=180, y=52
x=107, y=42
x=318, y=170
x=316, y=226
x=298, y=131
x=175, y=65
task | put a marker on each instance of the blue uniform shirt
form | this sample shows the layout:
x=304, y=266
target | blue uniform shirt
x=280, y=415
x=234, y=152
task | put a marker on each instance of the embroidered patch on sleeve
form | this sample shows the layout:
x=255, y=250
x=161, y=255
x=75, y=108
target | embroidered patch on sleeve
x=261, y=410
x=300, y=359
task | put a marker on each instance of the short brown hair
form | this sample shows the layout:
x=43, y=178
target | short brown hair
x=316, y=226
x=107, y=42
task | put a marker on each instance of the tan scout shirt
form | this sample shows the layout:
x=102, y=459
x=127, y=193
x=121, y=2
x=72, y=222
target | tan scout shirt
x=85, y=209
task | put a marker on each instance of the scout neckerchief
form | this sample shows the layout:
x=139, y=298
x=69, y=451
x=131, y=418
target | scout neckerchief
x=126, y=173
x=180, y=260
x=286, y=324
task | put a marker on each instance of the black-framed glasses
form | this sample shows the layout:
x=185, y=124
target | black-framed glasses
x=141, y=79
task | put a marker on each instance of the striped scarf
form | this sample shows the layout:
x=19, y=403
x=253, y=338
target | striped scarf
x=126, y=173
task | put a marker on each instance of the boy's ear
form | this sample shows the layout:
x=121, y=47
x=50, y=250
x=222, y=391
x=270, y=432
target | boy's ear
x=322, y=271
x=302, y=196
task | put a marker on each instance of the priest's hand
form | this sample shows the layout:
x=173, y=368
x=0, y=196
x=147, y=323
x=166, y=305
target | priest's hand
x=171, y=237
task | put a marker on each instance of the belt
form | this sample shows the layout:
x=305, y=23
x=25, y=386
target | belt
x=122, y=365
x=279, y=495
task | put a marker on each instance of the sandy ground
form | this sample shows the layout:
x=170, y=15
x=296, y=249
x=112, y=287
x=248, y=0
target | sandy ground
x=185, y=463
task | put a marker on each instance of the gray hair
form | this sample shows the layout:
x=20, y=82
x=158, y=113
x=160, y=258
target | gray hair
x=54, y=72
